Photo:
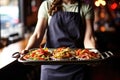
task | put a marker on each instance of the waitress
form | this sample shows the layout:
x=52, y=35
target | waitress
x=68, y=23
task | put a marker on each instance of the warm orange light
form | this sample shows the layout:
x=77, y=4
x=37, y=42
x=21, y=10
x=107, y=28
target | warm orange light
x=102, y=15
x=102, y=29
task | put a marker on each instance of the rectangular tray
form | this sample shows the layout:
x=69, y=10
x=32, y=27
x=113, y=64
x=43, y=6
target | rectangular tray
x=103, y=56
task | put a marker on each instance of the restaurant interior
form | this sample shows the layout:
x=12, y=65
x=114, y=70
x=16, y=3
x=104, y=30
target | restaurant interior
x=18, y=19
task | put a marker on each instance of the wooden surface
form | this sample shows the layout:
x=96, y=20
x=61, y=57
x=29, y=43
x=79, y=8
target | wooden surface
x=7, y=51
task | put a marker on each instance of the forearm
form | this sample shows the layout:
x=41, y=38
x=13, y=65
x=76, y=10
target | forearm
x=37, y=37
x=90, y=42
x=33, y=42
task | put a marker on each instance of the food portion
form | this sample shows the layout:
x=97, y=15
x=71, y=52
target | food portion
x=62, y=53
x=86, y=54
x=38, y=54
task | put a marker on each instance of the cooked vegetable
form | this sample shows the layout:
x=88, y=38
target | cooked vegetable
x=86, y=54
x=38, y=54
x=62, y=53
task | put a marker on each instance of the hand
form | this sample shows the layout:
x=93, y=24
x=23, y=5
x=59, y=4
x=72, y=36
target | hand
x=18, y=54
x=24, y=52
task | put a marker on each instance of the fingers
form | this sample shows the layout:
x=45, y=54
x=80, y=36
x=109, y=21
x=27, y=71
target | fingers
x=24, y=52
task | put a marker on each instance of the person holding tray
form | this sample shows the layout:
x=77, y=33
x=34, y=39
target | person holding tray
x=65, y=23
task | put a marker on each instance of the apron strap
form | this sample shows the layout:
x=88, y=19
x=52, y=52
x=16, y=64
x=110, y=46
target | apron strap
x=79, y=5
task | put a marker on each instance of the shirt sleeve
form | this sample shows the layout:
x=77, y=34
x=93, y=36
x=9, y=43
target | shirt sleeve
x=88, y=11
x=43, y=10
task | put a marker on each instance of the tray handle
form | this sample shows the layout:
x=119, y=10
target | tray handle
x=107, y=54
x=16, y=55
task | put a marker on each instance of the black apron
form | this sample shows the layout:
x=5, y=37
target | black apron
x=65, y=30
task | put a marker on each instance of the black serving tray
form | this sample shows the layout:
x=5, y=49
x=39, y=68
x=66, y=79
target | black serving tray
x=103, y=56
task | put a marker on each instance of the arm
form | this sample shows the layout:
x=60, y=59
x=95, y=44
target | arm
x=38, y=34
x=37, y=37
x=89, y=40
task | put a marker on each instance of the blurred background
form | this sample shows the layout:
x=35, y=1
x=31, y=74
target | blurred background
x=18, y=20
x=18, y=17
